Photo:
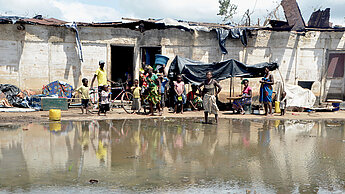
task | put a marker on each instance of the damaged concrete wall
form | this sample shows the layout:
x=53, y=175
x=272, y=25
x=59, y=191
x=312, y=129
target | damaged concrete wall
x=40, y=54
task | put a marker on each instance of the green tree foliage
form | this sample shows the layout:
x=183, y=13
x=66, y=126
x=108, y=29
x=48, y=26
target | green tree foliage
x=227, y=9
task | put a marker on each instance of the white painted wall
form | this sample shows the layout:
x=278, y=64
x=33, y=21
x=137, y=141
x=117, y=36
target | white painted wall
x=41, y=54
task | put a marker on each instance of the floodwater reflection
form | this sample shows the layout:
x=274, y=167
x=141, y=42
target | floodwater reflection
x=176, y=155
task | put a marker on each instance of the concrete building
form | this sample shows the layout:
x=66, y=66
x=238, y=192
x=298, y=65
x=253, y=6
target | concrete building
x=35, y=52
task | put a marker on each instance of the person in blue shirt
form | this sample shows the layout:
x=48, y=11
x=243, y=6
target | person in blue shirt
x=266, y=91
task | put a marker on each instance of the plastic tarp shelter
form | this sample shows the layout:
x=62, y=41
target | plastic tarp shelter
x=194, y=72
x=296, y=96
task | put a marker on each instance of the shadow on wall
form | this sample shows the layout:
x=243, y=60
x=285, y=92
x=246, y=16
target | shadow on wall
x=73, y=63
x=11, y=56
x=332, y=88
x=283, y=45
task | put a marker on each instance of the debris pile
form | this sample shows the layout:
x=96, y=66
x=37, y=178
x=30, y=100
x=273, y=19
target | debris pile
x=12, y=96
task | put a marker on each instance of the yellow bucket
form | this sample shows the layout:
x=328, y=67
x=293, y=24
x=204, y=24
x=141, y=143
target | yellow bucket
x=277, y=107
x=55, y=126
x=55, y=114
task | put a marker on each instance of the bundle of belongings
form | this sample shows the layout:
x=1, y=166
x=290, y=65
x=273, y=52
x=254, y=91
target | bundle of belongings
x=12, y=96
x=58, y=89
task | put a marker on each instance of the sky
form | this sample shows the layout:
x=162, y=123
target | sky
x=188, y=10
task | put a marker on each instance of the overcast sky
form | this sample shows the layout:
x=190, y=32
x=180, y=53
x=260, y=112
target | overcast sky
x=191, y=10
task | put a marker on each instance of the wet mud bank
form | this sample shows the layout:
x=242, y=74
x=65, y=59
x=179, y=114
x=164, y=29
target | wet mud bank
x=74, y=115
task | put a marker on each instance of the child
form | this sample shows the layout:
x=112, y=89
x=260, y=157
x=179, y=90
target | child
x=179, y=91
x=193, y=99
x=85, y=96
x=164, y=80
x=136, y=93
x=105, y=104
x=282, y=105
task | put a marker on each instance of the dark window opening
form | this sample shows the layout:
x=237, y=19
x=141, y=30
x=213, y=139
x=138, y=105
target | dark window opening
x=306, y=84
x=148, y=55
x=336, y=62
x=121, y=66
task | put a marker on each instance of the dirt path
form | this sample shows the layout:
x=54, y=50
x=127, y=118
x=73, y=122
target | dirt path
x=74, y=114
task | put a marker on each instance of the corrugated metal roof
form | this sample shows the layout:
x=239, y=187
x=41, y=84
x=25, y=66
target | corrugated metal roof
x=48, y=21
x=148, y=24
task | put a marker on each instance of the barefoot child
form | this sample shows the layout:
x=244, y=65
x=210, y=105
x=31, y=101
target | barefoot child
x=282, y=105
x=105, y=104
x=136, y=89
x=179, y=91
x=85, y=96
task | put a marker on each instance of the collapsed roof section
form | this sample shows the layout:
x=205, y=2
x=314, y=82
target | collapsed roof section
x=293, y=15
x=319, y=21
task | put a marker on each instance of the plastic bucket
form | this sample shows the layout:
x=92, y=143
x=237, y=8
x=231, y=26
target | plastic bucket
x=55, y=114
x=277, y=107
x=55, y=126
x=161, y=60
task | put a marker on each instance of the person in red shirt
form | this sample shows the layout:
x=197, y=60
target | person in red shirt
x=193, y=99
x=246, y=97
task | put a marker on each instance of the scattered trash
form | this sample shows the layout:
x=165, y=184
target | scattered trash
x=70, y=167
x=185, y=179
x=93, y=181
x=133, y=157
x=25, y=129
x=14, y=109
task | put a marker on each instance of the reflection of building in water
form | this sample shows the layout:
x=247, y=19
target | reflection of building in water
x=285, y=156
x=13, y=166
x=39, y=153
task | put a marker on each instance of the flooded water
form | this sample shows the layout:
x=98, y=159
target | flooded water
x=173, y=156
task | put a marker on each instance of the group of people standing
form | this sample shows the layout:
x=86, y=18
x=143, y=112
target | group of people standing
x=103, y=91
x=153, y=86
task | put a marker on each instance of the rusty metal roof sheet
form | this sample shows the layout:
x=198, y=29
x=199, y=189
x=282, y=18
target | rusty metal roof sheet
x=320, y=19
x=132, y=23
x=293, y=15
x=48, y=21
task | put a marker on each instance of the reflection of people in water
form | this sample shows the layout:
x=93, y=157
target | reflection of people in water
x=85, y=136
x=178, y=143
x=75, y=152
x=102, y=136
x=264, y=138
x=209, y=145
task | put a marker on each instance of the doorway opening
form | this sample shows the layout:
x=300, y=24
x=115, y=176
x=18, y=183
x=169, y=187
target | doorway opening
x=121, y=66
x=148, y=55
x=334, y=88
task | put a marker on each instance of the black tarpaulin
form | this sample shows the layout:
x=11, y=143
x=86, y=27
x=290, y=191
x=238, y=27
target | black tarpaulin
x=222, y=35
x=11, y=92
x=235, y=33
x=195, y=71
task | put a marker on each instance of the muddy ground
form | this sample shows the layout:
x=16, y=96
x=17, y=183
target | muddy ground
x=75, y=115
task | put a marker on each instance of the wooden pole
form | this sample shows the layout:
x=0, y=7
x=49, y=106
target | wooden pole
x=230, y=93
